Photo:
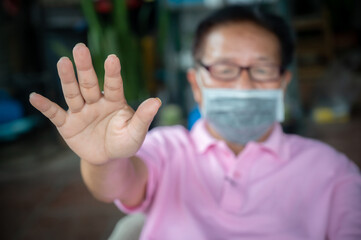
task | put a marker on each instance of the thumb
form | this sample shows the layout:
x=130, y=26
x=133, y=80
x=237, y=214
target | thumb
x=143, y=117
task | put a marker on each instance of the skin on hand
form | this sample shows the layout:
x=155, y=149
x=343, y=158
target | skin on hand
x=97, y=127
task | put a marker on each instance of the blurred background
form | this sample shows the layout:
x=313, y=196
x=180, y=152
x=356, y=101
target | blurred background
x=42, y=195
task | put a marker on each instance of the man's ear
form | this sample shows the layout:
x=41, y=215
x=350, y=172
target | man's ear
x=287, y=76
x=192, y=79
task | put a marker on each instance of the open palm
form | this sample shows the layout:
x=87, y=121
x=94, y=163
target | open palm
x=97, y=127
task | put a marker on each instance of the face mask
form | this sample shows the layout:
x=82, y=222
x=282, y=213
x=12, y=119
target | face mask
x=241, y=116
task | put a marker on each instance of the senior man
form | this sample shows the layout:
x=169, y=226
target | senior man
x=235, y=175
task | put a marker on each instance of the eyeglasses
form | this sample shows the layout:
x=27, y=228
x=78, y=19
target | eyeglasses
x=228, y=72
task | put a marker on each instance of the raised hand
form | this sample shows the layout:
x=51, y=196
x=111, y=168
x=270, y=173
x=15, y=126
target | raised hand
x=97, y=127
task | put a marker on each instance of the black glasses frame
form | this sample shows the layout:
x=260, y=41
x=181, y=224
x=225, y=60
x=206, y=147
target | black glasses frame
x=241, y=68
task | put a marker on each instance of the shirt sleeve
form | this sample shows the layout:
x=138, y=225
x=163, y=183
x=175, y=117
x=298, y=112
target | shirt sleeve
x=152, y=154
x=345, y=212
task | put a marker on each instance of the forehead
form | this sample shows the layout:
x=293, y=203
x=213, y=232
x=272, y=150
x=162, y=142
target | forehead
x=241, y=42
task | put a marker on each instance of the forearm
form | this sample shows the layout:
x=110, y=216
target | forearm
x=123, y=179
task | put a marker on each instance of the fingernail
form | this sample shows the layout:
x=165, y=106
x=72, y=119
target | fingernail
x=32, y=94
x=63, y=58
x=112, y=57
x=81, y=49
x=80, y=44
x=61, y=66
x=160, y=101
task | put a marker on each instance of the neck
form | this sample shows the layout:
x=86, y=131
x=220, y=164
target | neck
x=237, y=148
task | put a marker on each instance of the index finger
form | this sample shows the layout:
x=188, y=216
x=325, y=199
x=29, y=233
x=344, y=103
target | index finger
x=69, y=85
x=113, y=83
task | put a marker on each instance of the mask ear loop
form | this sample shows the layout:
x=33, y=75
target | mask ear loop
x=283, y=85
x=283, y=89
x=281, y=111
x=198, y=79
x=201, y=86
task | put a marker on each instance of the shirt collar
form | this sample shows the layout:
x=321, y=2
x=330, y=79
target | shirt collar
x=203, y=140
x=275, y=142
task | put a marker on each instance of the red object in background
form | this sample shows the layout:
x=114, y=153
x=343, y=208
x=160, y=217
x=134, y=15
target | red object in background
x=12, y=7
x=103, y=6
x=134, y=3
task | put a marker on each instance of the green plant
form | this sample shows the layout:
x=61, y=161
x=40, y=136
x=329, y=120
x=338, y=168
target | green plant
x=115, y=37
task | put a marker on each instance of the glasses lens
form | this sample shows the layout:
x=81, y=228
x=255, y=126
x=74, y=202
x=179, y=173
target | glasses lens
x=224, y=71
x=265, y=73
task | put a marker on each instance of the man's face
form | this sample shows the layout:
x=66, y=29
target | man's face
x=243, y=44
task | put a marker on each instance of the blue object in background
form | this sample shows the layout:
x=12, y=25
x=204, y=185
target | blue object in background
x=194, y=115
x=11, y=130
x=184, y=2
x=10, y=109
x=12, y=119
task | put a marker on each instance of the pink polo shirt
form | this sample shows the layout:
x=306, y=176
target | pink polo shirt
x=286, y=188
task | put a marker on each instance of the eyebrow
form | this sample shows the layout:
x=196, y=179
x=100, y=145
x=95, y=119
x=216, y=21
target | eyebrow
x=264, y=59
x=232, y=60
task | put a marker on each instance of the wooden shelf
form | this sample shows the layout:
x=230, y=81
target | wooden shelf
x=311, y=72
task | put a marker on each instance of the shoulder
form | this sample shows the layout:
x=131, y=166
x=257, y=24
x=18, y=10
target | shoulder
x=169, y=138
x=169, y=133
x=303, y=145
x=317, y=154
